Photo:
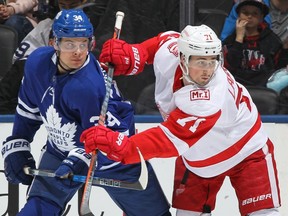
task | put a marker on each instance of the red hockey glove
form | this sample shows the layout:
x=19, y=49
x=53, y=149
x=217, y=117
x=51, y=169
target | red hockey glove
x=115, y=144
x=128, y=59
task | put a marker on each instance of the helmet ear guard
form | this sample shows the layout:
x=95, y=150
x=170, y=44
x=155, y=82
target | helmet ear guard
x=184, y=67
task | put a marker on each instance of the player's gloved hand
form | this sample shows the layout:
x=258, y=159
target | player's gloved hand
x=114, y=144
x=16, y=155
x=77, y=162
x=128, y=59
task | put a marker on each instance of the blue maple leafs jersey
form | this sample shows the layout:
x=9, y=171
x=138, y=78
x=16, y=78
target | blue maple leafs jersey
x=66, y=104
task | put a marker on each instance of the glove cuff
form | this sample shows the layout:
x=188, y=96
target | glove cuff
x=14, y=145
x=81, y=154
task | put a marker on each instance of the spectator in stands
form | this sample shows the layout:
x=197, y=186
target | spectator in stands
x=277, y=20
x=247, y=53
x=19, y=15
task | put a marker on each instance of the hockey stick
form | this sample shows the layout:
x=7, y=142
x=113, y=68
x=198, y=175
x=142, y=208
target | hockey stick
x=140, y=184
x=84, y=207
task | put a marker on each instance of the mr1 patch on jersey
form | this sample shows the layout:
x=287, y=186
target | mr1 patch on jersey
x=200, y=94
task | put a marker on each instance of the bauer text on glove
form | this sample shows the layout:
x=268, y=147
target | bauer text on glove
x=16, y=155
x=127, y=59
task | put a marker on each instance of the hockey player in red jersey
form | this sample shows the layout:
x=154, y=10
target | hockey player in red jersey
x=211, y=123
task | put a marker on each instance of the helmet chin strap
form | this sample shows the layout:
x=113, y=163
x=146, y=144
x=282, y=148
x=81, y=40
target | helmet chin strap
x=186, y=77
x=63, y=67
x=184, y=68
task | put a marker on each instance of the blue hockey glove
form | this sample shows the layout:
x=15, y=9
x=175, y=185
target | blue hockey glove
x=16, y=155
x=77, y=162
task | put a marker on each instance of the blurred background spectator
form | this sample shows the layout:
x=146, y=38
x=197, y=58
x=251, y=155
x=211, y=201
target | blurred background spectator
x=19, y=15
x=277, y=19
x=246, y=51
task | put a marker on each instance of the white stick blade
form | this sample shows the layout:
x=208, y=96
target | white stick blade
x=143, y=179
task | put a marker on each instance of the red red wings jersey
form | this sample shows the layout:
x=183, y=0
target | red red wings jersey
x=213, y=127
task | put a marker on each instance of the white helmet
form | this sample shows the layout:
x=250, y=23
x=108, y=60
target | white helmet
x=199, y=41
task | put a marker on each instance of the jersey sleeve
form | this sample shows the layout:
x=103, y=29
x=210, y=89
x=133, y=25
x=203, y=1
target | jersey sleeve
x=27, y=117
x=152, y=143
x=171, y=138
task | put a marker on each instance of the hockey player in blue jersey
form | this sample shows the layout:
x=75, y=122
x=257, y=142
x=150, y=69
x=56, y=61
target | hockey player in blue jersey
x=63, y=88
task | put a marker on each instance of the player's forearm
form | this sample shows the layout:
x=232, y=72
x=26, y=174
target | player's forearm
x=152, y=144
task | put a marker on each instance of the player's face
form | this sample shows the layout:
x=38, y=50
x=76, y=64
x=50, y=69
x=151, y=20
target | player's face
x=251, y=14
x=73, y=52
x=201, y=68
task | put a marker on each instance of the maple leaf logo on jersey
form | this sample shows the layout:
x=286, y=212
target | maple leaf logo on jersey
x=58, y=134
